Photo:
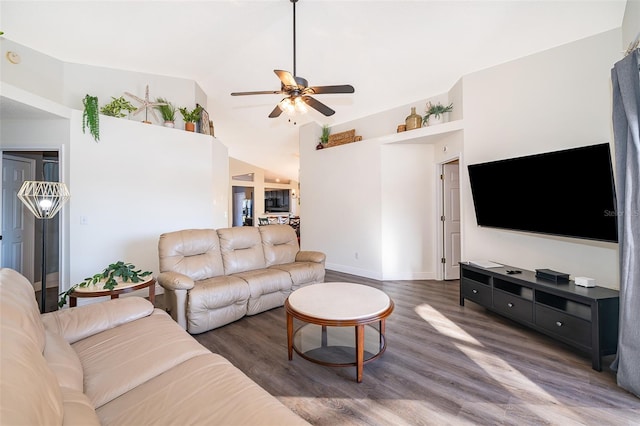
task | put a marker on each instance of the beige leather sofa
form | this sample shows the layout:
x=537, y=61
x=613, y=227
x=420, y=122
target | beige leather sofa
x=214, y=277
x=116, y=362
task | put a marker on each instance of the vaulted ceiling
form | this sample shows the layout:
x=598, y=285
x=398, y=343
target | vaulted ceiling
x=392, y=52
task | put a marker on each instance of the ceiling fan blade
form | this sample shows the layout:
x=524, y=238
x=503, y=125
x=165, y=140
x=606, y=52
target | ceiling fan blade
x=276, y=112
x=262, y=92
x=286, y=78
x=317, y=105
x=344, y=88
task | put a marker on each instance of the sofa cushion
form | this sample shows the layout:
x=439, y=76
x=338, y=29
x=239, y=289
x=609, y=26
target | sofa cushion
x=303, y=273
x=83, y=321
x=280, y=244
x=64, y=361
x=205, y=390
x=268, y=288
x=192, y=252
x=241, y=248
x=215, y=302
x=119, y=359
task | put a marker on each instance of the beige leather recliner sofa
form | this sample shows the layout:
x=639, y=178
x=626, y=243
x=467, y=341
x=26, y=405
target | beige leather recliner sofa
x=214, y=277
x=119, y=362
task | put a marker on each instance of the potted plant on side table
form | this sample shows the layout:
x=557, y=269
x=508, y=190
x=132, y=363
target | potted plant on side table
x=108, y=279
x=190, y=117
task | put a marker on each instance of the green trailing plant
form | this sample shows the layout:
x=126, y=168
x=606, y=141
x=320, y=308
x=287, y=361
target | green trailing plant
x=168, y=111
x=191, y=116
x=436, y=110
x=126, y=272
x=91, y=116
x=116, y=107
x=326, y=131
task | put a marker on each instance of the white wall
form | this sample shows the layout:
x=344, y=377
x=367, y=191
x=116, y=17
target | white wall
x=408, y=188
x=371, y=206
x=553, y=100
x=361, y=197
x=630, y=23
x=136, y=183
x=36, y=73
x=341, y=200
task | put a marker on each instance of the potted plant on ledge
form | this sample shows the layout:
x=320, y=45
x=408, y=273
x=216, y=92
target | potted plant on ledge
x=190, y=117
x=168, y=112
x=324, y=138
x=116, y=107
x=435, y=114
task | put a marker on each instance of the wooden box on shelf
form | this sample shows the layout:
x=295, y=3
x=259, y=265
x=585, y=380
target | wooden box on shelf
x=342, y=138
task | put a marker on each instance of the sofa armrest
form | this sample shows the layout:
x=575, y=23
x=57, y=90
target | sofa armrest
x=310, y=256
x=175, y=281
x=83, y=321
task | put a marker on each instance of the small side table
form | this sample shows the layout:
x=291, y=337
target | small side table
x=121, y=288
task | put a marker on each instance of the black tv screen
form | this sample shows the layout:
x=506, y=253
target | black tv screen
x=569, y=193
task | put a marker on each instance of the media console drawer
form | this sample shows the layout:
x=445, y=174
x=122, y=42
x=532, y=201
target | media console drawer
x=477, y=292
x=566, y=326
x=585, y=318
x=512, y=306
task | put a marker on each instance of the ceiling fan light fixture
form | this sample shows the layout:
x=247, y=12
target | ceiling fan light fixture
x=300, y=106
x=293, y=105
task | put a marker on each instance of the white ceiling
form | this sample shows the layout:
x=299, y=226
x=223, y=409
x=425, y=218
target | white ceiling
x=392, y=52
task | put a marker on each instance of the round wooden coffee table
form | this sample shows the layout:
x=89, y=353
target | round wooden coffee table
x=325, y=309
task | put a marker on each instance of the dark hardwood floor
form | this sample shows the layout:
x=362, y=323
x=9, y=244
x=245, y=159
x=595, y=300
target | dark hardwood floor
x=444, y=364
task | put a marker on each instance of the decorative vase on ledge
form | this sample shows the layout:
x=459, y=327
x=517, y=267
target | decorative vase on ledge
x=189, y=126
x=413, y=121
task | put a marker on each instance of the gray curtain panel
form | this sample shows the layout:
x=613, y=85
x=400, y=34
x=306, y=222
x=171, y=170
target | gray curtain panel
x=625, y=78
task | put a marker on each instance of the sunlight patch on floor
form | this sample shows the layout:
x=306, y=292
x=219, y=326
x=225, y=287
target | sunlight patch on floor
x=444, y=325
x=526, y=393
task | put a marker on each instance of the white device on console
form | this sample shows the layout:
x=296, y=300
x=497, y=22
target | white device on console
x=585, y=281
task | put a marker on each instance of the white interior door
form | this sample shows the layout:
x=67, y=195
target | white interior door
x=18, y=224
x=451, y=220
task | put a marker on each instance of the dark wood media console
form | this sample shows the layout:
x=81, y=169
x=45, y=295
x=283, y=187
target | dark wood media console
x=585, y=318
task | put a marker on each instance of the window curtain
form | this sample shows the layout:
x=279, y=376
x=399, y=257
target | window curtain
x=625, y=78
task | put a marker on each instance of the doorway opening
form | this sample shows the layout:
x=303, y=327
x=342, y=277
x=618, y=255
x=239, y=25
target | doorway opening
x=242, y=208
x=21, y=231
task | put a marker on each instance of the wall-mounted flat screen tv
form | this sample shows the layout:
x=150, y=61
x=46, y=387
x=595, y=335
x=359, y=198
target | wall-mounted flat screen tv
x=568, y=193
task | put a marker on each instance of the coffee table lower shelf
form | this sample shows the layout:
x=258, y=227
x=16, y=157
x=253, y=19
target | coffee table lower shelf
x=336, y=346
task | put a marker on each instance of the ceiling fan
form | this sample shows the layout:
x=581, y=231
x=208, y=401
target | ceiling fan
x=297, y=88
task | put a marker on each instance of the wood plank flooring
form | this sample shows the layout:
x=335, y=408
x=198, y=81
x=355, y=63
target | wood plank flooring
x=444, y=364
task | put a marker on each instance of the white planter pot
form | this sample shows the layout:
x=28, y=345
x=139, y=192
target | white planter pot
x=442, y=118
